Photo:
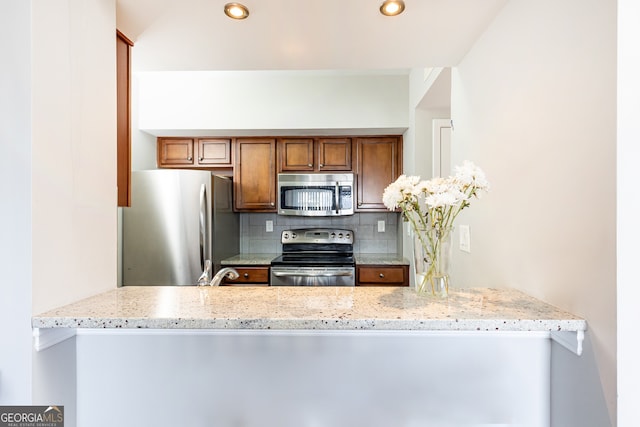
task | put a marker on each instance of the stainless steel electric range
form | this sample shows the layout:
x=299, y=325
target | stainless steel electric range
x=315, y=257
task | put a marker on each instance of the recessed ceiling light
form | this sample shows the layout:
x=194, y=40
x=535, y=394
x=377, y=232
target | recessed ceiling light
x=236, y=10
x=392, y=7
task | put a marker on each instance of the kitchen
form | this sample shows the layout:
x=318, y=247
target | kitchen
x=54, y=232
x=344, y=198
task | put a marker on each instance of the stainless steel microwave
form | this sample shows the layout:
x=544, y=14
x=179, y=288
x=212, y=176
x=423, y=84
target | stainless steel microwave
x=315, y=194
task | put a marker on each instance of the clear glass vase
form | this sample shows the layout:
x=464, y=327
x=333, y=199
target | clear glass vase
x=432, y=258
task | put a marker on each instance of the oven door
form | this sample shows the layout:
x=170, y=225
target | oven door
x=312, y=276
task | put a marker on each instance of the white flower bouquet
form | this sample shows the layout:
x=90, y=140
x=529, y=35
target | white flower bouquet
x=431, y=208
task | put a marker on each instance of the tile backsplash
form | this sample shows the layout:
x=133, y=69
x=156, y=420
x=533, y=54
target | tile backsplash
x=255, y=239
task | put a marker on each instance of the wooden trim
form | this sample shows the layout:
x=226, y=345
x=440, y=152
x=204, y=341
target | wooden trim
x=123, y=118
x=124, y=38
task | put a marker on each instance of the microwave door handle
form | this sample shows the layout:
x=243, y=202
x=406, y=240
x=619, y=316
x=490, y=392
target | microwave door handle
x=337, y=197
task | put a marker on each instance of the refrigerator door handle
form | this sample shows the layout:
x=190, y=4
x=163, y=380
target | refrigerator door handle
x=203, y=223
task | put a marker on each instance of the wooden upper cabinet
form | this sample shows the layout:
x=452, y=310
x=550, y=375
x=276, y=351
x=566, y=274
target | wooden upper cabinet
x=175, y=152
x=254, y=174
x=207, y=153
x=334, y=154
x=296, y=155
x=378, y=164
x=214, y=151
x=314, y=154
x=123, y=132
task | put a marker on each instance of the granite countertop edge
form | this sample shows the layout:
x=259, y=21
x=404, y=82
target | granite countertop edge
x=316, y=308
x=493, y=325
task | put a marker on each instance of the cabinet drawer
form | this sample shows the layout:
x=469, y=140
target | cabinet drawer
x=384, y=275
x=250, y=275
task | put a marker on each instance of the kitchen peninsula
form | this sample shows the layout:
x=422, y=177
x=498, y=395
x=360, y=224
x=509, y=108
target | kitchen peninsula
x=327, y=308
x=303, y=356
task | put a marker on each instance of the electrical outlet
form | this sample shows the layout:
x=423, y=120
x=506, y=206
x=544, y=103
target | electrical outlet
x=269, y=226
x=465, y=238
x=380, y=226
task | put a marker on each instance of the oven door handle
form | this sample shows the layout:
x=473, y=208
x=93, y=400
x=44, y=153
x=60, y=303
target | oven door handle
x=312, y=273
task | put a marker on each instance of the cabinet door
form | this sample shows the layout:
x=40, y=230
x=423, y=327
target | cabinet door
x=256, y=276
x=378, y=164
x=383, y=275
x=255, y=174
x=214, y=152
x=296, y=155
x=175, y=152
x=334, y=154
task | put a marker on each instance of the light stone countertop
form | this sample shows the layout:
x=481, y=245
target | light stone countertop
x=361, y=259
x=380, y=259
x=249, y=259
x=309, y=308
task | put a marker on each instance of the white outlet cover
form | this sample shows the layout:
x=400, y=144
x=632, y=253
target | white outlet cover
x=269, y=226
x=381, y=226
x=465, y=238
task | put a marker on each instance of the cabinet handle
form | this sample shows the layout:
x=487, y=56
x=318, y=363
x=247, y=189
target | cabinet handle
x=381, y=275
x=359, y=204
x=272, y=204
x=321, y=165
x=189, y=158
x=310, y=165
x=201, y=158
x=246, y=275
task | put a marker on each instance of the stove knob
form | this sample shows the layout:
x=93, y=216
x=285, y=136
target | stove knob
x=285, y=236
x=332, y=235
x=340, y=236
x=294, y=235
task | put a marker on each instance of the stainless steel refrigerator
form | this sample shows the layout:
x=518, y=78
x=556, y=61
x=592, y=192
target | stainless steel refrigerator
x=176, y=221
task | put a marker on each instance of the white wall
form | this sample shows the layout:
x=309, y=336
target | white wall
x=15, y=203
x=56, y=378
x=232, y=102
x=533, y=104
x=429, y=99
x=143, y=144
x=628, y=212
x=74, y=150
x=318, y=378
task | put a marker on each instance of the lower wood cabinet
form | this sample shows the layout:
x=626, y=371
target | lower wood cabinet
x=249, y=276
x=382, y=275
x=366, y=275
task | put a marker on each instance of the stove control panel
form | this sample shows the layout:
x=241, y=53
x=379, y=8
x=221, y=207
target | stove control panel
x=317, y=235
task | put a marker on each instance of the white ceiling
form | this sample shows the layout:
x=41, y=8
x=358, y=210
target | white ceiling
x=346, y=35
